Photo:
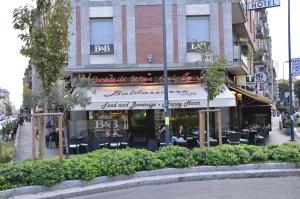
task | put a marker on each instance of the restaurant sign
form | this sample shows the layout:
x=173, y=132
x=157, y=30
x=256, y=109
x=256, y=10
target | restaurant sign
x=155, y=77
x=142, y=97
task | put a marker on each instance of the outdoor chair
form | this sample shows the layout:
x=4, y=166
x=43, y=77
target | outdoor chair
x=84, y=144
x=124, y=140
x=74, y=144
x=245, y=136
x=114, y=142
x=162, y=141
x=102, y=142
x=260, y=137
x=234, y=138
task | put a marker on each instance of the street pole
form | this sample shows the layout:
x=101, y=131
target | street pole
x=166, y=90
x=290, y=71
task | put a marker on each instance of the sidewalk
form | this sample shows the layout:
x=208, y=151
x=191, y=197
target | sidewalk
x=24, y=145
x=278, y=136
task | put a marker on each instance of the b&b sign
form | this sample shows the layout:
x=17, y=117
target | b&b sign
x=295, y=66
x=102, y=49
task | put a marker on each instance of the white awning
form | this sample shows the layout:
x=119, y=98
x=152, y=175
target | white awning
x=152, y=97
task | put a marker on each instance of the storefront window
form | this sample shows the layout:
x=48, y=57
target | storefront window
x=109, y=122
x=187, y=118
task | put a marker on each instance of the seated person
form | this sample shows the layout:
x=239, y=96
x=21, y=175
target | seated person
x=182, y=132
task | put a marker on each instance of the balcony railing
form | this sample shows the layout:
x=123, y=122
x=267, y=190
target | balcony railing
x=240, y=53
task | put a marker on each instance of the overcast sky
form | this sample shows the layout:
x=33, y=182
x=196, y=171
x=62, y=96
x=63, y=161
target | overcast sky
x=13, y=64
x=278, y=22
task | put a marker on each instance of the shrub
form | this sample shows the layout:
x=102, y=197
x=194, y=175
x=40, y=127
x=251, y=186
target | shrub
x=81, y=168
x=261, y=154
x=176, y=157
x=242, y=154
x=47, y=173
x=17, y=174
x=285, y=153
x=147, y=160
x=7, y=152
x=221, y=155
x=127, y=161
x=4, y=184
x=199, y=155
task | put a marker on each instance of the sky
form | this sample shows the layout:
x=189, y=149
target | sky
x=13, y=64
x=278, y=23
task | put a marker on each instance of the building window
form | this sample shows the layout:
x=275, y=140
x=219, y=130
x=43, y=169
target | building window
x=101, y=36
x=197, y=28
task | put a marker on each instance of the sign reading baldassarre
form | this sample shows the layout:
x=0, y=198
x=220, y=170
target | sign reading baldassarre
x=262, y=4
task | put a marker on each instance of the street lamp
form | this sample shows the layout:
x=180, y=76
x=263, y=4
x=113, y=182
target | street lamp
x=166, y=90
x=290, y=72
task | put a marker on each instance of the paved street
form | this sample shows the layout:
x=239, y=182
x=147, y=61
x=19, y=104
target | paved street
x=24, y=149
x=257, y=188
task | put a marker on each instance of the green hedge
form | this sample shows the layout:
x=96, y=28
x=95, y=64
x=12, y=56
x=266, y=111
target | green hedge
x=7, y=152
x=128, y=161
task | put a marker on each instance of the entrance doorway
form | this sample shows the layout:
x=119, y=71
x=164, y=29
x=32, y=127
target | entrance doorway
x=141, y=126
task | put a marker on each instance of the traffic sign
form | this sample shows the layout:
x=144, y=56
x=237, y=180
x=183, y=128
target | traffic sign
x=260, y=77
x=295, y=66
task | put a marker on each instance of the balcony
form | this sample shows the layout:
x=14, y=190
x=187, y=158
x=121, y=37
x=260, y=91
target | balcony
x=240, y=64
x=259, y=58
x=238, y=12
x=260, y=32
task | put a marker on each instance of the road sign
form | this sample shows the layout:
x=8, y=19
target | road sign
x=254, y=5
x=295, y=66
x=260, y=77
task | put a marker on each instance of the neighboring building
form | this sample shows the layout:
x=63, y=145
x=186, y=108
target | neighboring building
x=4, y=100
x=27, y=79
x=263, y=56
x=120, y=44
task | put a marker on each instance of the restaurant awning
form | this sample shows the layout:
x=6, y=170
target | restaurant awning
x=252, y=98
x=152, y=97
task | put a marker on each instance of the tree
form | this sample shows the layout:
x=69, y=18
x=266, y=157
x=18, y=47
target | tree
x=8, y=109
x=44, y=31
x=214, y=74
x=27, y=97
x=297, y=89
x=283, y=87
x=64, y=97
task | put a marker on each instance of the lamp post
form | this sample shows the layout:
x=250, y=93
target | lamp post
x=290, y=72
x=166, y=90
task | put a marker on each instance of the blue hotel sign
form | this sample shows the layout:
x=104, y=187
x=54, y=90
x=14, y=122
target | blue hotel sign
x=254, y=5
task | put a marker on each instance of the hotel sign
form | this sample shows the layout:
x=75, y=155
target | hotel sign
x=102, y=49
x=254, y=5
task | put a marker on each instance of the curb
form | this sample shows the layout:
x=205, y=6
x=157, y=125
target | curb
x=162, y=176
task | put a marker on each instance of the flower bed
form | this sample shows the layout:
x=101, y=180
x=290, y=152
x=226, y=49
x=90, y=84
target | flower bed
x=128, y=161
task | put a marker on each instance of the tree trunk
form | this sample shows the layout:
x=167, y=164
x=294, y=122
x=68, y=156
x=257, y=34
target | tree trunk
x=65, y=133
x=44, y=124
x=207, y=122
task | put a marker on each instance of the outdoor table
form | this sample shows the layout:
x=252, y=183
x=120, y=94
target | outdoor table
x=180, y=141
